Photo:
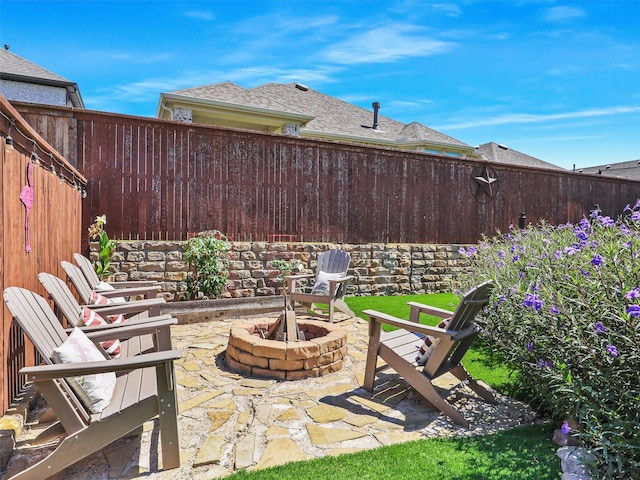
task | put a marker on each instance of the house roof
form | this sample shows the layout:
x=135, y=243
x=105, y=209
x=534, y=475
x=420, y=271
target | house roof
x=502, y=154
x=630, y=170
x=328, y=115
x=17, y=69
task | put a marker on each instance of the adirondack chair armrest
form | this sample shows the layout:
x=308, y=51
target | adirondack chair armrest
x=379, y=318
x=429, y=310
x=341, y=279
x=133, y=284
x=62, y=370
x=128, y=292
x=128, y=308
x=128, y=330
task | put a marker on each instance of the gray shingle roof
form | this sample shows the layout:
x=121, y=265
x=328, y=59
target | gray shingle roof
x=331, y=115
x=14, y=67
x=502, y=154
x=630, y=170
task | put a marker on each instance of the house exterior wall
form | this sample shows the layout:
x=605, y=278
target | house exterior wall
x=33, y=93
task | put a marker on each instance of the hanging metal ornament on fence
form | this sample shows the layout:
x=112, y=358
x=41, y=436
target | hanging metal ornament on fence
x=26, y=196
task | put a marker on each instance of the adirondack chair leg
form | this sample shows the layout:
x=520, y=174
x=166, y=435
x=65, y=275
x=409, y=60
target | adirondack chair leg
x=372, y=355
x=461, y=373
x=341, y=305
x=168, y=417
x=425, y=388
x=79, y=445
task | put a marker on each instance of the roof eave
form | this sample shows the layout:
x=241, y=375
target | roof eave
x=203, y=103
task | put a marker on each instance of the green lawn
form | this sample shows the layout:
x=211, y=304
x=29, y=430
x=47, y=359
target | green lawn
x=523, y=453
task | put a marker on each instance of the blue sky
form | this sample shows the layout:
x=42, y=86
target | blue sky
x=555, y=80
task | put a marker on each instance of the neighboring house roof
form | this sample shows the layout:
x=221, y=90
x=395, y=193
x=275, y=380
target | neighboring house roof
x=630, y=170
x=16, y=74
x=317, y=114
x=498, y=153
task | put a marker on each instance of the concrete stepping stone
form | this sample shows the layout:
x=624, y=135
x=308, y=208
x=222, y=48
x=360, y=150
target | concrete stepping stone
x=219, y=418
x=210, y=451
x=198, y=400
x=326, y=413
x=244, y=452
x=280, y=451
x=391, y=438
x=323, y=435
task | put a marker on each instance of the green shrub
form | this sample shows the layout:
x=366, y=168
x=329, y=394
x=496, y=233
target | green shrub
x=565, y=312
x=207, y=257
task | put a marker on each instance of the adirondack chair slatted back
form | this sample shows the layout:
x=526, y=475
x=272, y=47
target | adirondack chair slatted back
x=87, y=269
x=62, y=297
x=34, y=315
x=450, y=352
x=79, y=281
x=334, y=261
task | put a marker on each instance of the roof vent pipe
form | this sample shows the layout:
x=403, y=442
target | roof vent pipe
x=376, y=107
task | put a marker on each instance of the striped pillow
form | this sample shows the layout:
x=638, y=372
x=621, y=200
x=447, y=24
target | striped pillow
x=429, y=344
x=92, y=319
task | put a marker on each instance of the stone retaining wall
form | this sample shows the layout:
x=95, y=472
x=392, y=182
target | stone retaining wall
x=379, y=269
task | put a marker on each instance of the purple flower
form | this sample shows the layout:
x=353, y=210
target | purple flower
x=633, y=293
x=566, y=429
x=625, y=230
x=584, y=272
x=585, y=225
x=597, y=260
x=570, y=250
x=501, y=254
x=634, y=310
x=515, y=258
x=612, y=350
x=594, y=213
x=529, y=346
x=532, y=300
x=637, y=205
x=548, y=363
x=557, y=255
x=606, y=221
x=635, y=216
x=599, y=328
x=582, y=235
x=555, y=310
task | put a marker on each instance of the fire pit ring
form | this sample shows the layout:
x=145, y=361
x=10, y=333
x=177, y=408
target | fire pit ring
x=323, y=351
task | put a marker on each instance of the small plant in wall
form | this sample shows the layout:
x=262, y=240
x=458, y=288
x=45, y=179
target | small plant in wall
x=107, y=247
x=206, y=256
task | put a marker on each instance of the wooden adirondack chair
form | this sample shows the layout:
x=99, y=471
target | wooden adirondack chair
x=329, y=285
x=94, y=281
x=144, y=389
x=69, y=307
x=85, y=291
x=400, y=348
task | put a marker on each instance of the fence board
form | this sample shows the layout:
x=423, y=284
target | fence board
x=55, y=228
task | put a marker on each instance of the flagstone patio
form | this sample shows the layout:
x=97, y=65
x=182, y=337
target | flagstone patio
x=229, y=422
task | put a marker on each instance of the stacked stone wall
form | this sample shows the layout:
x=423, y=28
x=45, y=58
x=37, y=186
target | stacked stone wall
x=378, y=269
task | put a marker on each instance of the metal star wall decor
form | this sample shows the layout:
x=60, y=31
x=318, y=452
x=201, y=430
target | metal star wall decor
x=485, y=185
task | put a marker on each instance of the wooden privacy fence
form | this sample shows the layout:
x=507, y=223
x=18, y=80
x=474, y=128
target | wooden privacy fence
x=157, y=179
x=54, y=227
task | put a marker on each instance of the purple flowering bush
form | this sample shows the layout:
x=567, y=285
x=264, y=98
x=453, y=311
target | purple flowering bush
x=565, y=312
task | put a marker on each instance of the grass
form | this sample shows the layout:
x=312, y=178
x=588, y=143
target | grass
x=523, y=453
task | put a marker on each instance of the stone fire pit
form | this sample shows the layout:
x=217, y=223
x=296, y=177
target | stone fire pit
x=323, y=351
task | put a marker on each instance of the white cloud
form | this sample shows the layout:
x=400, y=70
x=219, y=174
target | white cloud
x=385, y=44
x=562, y=13
x=532, y=118
x=200, y=15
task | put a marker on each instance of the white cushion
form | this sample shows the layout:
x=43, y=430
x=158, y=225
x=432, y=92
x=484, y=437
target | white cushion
x=105, y=287
x=98, y=387
x=321, y=287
